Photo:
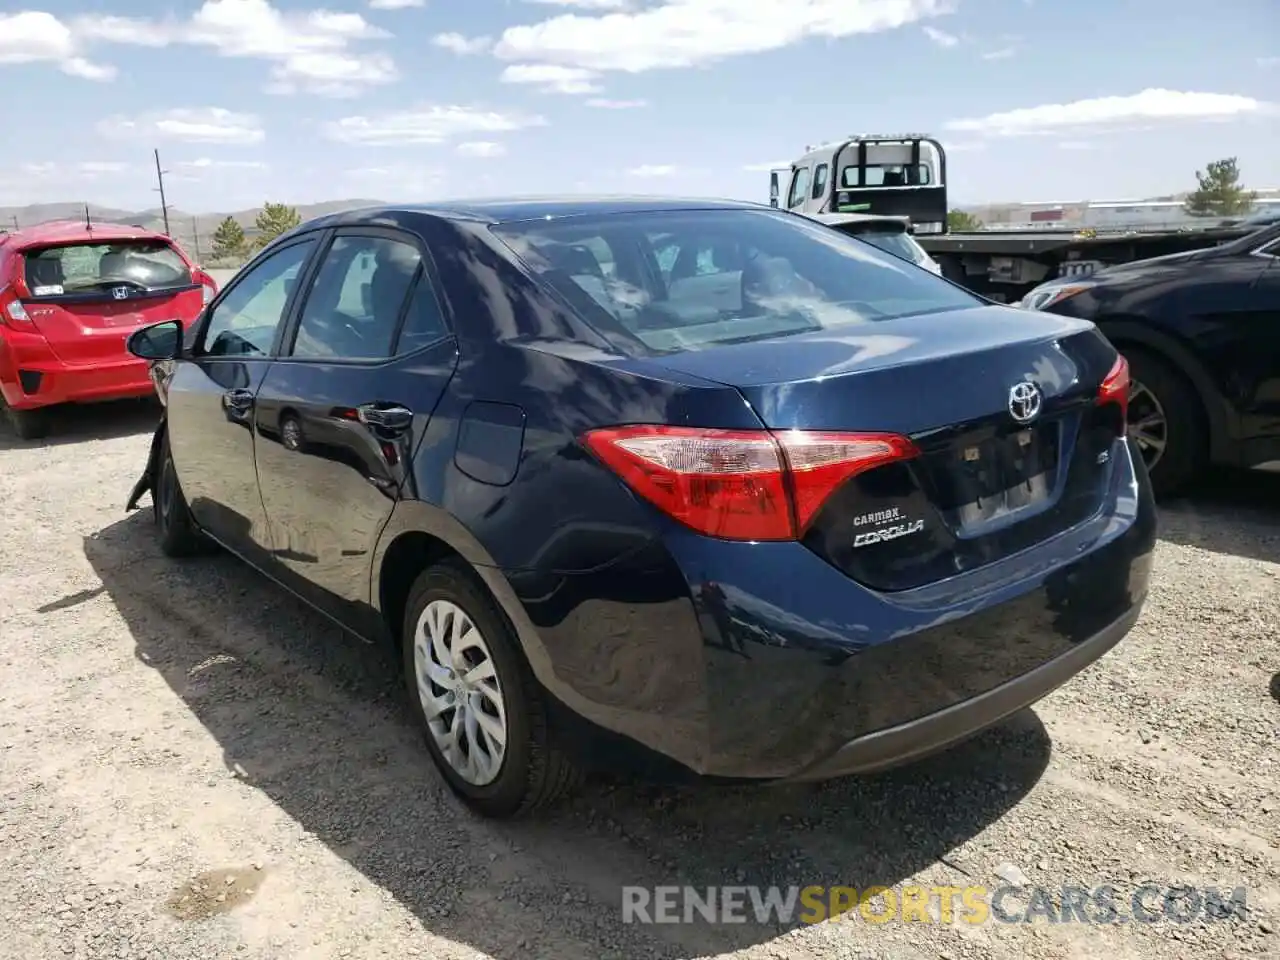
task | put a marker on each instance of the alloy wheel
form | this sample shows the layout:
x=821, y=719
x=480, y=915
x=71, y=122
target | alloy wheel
x=1148, y=425
x=460, y=692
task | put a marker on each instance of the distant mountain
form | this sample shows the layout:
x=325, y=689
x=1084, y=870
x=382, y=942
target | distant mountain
x=192, y=231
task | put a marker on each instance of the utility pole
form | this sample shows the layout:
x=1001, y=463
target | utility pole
x=164, y=207
x=195, y=232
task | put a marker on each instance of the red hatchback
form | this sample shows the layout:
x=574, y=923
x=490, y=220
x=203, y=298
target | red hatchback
x=70, y=294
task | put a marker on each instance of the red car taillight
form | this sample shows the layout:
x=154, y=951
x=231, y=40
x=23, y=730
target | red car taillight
x=12, y=312
x=1115, y=388
x=741, y=484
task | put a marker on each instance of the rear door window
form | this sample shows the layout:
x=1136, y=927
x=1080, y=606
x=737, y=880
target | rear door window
x=89, y=269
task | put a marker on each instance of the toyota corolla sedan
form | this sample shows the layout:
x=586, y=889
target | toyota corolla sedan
x=703, y=485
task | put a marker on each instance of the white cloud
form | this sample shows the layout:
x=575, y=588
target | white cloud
x=33, y=36
x=1266, y=63
x=941, y=37
x=310, y=51
x=396, y=4
x=586, y=4
x=396, y=181
x=190, y=124
x=84, y=170
x=604, y=103
x=1104, y=112
x=552, y=78
x=481, y=148
x=684, y=33
x=206, y=163
x=767, y=167
x=434, y=123
x=1076, y=145
x=1004, y=53
x=461, y=45
x=202, y=168
x=652, y=171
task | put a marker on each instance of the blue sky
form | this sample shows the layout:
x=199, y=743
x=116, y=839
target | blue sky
x=306, y=100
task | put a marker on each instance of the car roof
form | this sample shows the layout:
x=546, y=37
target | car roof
x=73, y=231
x=514, y=209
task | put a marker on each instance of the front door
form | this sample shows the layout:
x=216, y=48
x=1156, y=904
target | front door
x=339, y=414
x=210, y=399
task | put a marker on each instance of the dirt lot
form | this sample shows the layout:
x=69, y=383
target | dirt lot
x=193, y=765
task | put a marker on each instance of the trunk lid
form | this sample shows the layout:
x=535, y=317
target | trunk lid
x=86, y=298
x=984, y=485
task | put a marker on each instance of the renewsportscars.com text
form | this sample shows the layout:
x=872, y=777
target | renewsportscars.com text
x=1104, y=904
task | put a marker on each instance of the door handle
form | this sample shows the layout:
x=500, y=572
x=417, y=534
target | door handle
x=393, y=419
x=239, y=400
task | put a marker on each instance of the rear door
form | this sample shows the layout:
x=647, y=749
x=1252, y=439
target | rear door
x=210, y=398
x=86, y=298
x=339, y=414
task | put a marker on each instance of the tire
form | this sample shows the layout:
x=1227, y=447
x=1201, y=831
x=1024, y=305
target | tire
x=28, y=424
x=531, y=772
x=177, y=532
x=1186, y=451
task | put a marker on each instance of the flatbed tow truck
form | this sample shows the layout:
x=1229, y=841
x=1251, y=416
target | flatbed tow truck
x=905, y=175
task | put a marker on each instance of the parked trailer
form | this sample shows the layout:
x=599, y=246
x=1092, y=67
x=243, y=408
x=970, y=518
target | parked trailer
x=905, y=175
x=1005, y=266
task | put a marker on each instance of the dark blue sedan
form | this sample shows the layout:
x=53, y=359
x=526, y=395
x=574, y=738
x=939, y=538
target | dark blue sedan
x=699, y=486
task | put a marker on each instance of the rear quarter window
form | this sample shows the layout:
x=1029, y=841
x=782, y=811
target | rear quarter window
x=96, y=267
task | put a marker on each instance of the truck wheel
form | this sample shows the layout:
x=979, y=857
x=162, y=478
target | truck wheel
x=1166, y=421
x=481, y=710
x=27, y=424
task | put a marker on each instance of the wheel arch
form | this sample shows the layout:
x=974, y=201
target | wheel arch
x=419, y=535
x=1124, y=331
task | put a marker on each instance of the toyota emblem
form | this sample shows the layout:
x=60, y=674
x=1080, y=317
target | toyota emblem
x=1025, y=400
x=120, y=293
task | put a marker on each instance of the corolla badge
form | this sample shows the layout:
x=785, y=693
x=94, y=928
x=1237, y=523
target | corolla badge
x=887, y=525
x=1025, y=400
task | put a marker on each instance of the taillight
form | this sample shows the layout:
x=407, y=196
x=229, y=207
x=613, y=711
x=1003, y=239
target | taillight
x=1115, y=387
x=741, y=484
x=208, y=289
x=14, y=314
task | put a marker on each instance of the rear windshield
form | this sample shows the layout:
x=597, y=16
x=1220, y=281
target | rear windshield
x=689, y=279
x=141, y=265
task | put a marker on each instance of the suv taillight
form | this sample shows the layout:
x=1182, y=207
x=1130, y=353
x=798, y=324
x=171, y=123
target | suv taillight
x=741, y=484
x=1115, y=389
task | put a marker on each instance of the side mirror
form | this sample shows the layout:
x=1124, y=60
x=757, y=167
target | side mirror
x=773, y=189
x=160, y=341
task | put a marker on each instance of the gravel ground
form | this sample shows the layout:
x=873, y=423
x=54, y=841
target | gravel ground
x=193, y=765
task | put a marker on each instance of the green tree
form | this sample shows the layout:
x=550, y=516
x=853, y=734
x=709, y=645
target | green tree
x=275, y=219
x=1220, y=193
x=228, y=241
x=962, y=221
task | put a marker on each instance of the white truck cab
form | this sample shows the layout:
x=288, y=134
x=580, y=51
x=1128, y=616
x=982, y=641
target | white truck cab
x=888, y=174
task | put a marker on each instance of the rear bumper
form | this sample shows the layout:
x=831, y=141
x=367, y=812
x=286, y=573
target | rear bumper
x=28, y=384
x=915, y=739
x=761, y=661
